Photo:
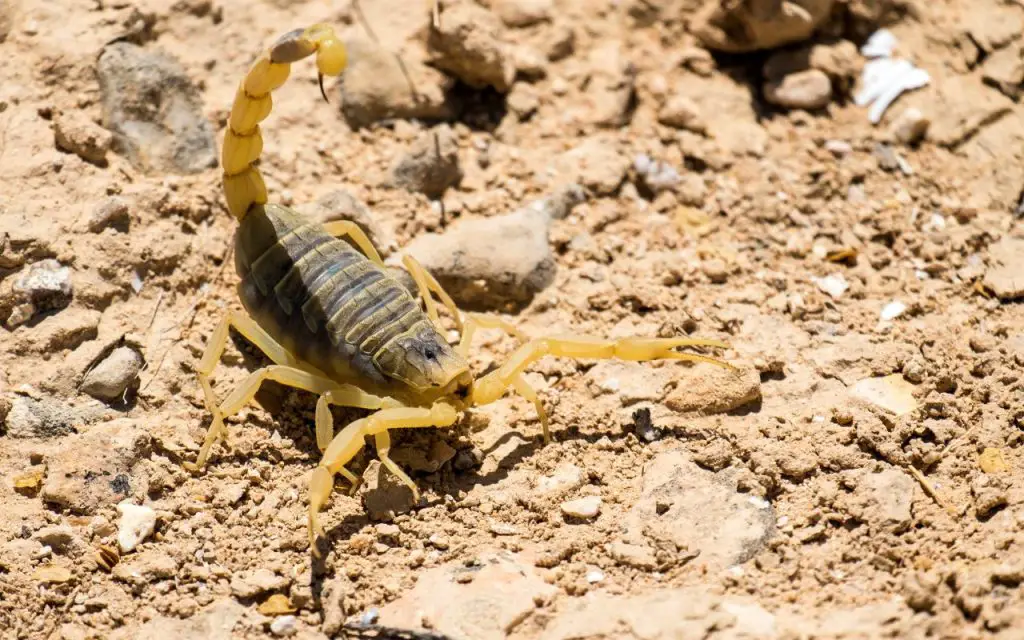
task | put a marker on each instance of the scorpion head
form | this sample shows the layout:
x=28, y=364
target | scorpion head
x=425, y=362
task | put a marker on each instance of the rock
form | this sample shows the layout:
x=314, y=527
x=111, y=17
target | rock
x=611, y=87
x=216, y=622
x=962, y=106
x=631, y=381
x=65, y=331
x=567, y=477
x=341, y=204
x=384, y=496
x=46, y=418
x=490, y=263
x=144, y=567
x=376, y=87
x=523, y=13
x=335, y=592
x=655, y=176
x=910, y=126
x=523, y=100
x=727, y=108
x=835, y=285
x=707, y=388
x=257, y=583
x=699, y=511
x=276, y=605
x=416, y=459
x=596, y=164
x=58, y=537
x=682, y=112
x=809, y=90
x=632, y=555
x=503, y=593
x=46, y=285
x=112, y=378
x=430, y=165
x=839, y=148
x=283, y=626
x=990, y=495
x=1004, y=69
x=469, y=44
x=892, y=310
x=83, y=484
x=759, y=24
x=1005, y=274
x=888, y=497
x=137, y=524
x=661, y=614
x=582, y=508
x=154, y=111
x=112, y=213
x=52, y=574
x=77, y=134
x=890, y=393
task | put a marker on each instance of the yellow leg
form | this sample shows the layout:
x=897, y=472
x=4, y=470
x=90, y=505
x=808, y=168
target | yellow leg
x=214, y=350
x=343, y=228
x=492, y=386
x=243, y=142
x=383, y=442
x=428, y=285
x=476, y=321
x=350, y=440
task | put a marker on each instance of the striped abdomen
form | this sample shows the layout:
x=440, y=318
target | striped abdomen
x=327, y=303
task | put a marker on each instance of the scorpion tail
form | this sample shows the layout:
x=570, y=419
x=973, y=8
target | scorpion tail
x=243, y=143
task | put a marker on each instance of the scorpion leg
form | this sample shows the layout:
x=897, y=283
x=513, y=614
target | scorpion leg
x=343, y=228
x=428, y=285
x=214, y=349
x=493, y=385
x=350, y=440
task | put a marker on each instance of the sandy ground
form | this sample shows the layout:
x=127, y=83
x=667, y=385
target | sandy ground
x=858, y=475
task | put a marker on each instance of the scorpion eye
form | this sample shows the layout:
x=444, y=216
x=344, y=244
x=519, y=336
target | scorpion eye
x=430, y=353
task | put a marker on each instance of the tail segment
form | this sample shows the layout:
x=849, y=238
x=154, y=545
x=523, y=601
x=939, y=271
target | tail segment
x=243, y=144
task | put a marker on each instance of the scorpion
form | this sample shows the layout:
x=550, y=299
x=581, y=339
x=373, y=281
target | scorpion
x=334, y=321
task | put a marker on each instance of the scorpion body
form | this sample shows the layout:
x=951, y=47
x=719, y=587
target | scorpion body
x=333, y=307
x=321, y=305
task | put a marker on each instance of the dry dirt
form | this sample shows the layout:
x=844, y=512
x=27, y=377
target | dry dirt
x=859, y=475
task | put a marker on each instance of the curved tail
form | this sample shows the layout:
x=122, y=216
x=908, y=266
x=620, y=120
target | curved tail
x=243, y=143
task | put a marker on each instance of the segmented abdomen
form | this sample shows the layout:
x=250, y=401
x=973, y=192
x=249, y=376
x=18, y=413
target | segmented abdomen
x=317, y=295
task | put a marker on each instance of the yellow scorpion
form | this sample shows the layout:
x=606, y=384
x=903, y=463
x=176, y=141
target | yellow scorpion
x=337, y=324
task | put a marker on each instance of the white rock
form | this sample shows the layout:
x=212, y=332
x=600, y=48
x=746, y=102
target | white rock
x=890, y=393
x=884, y=80
x=595, y=576
x=137, y=524
x=910, y=126
x=879, y=45
x=893, y=310
x=283, y=626
x=834, y=285
x=585, y=508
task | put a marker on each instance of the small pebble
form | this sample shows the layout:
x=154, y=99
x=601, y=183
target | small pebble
x=583, y=508
x=283, y=626
x=834, y=285
x=839, y=148
x=893, y=310
x=137, y=524
x=595, y=576
x=910, y=126
x=369, y=617
x=503, y=529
